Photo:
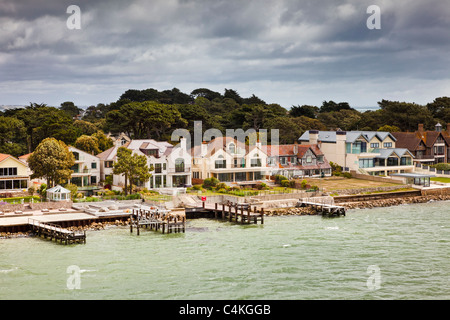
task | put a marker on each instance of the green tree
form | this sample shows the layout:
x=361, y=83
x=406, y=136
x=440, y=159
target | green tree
x=388, y=128
x=104, y=143
x=70, y=108
x=52, y=161
x=88, y=144
x=134, y=167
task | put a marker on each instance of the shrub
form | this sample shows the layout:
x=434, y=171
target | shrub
x=285, y=183
x=304, y=183
x=221, y=185
x=279, y=178
x=197, y=187
x=347, y=175
x=442, y=166
x=210, y=183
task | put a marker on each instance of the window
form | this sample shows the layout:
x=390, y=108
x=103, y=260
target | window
x=94, y=165
x=232, y=148
x=374, y=145
x=293, y=160
x=196, y=175
x=366, y=163
x=109, y=164
x=391, y=161
x=255, y=162
x=76, y=155
x=283, y=160
x=221, y=163
x=308, y=159
x=405, y=161
x=8, y=171
x=387, y=144
x=179, y=165
x=157, y=167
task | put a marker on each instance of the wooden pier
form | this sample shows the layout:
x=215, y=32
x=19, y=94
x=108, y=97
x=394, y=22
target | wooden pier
x=325, y=209
x=52, y=231
x=232, y=212
x=157, y=220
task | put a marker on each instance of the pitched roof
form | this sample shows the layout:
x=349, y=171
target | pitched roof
x=350, y=136
x=409, y=140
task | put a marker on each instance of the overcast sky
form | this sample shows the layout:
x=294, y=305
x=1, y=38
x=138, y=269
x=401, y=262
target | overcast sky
x=290, y=52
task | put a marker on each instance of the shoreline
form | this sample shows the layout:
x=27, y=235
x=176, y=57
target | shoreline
x=366, y=204
x=304, y=211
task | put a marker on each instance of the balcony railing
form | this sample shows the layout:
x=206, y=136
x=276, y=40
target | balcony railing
x=179, y=170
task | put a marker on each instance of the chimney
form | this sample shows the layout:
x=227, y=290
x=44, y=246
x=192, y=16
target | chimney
x=420, y=129
x=438, y=127
x=204, y=149
x=313, y=136
x=183, y=144
x=295, y=147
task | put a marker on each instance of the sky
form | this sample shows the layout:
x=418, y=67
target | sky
x=290, y=52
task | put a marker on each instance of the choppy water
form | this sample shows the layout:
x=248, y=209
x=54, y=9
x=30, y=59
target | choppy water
x=384, y=253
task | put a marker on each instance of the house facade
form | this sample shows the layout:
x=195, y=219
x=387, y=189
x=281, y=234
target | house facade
x=368, y=152
x=86, y=170
x=294, y=160
x=230, y=161
x=171, y=164
x=14, y=174
x=428, y=147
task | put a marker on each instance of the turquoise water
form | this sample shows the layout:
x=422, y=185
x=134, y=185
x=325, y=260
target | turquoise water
x=384, y=253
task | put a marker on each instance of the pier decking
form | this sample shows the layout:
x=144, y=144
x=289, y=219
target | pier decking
x=52, y=231
x=325, y=209
x=232, y=212
x=157, y=219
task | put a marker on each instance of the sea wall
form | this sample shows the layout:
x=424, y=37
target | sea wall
x=35, y=206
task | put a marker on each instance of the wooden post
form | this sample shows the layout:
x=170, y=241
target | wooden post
x=242, y=214
x=262, y=215
x=229, y=213
x=223, y=211
x=131, y=224
x=236, y=212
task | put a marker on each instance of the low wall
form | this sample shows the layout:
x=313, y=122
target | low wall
x=362, y=190
x=436, y=191
x=376, y=196
x=35, y=206
x=376, y=178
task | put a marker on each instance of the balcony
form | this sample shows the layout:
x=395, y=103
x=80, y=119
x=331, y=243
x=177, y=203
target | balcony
x=181, y=169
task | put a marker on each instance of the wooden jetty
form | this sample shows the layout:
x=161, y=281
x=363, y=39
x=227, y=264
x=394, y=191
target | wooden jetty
x=157, y=219
x=232, y=212
x=325, y=209
x=52, y=231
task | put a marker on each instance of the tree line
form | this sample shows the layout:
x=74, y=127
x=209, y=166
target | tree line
x=155, y=114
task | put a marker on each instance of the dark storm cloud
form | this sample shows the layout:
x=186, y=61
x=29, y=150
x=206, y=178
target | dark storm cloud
x=283, y=51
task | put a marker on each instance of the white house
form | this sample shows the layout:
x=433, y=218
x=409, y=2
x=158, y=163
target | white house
x=86, y=171
x=369, y=152
x=171, y=164
x=229, y=161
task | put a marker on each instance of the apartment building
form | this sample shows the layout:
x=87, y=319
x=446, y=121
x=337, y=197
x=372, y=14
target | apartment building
x=428, y=147
x=294, y=160
x=230, y=161
x=369, y=152
x=171, y=164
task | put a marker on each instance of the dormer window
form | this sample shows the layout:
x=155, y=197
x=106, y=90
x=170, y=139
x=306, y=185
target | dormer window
x=232, y=148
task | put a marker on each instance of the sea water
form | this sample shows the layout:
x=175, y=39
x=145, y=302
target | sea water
x=397, y=252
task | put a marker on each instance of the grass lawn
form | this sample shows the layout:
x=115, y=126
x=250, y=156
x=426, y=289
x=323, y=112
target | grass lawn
x=339, y=183
x=439, y=179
